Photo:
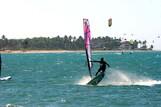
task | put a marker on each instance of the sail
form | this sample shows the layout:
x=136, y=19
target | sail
x=87, y=40
x=6, y=77
x=0, y=64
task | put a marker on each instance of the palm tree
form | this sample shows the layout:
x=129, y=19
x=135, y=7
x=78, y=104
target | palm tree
x=4, y=42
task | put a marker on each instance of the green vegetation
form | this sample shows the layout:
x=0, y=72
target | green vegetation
x=68, y=43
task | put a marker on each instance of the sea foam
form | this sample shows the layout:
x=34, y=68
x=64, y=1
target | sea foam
x=121, y=78
x=117, y=77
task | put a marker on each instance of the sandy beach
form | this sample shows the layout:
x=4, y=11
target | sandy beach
x=63, y=51
x=39, y=51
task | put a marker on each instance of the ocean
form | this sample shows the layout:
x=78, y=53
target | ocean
x=59, y=80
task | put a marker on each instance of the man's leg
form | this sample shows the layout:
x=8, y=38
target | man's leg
x=98, y=71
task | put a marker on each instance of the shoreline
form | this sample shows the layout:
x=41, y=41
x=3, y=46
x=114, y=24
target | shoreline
x=67, y=51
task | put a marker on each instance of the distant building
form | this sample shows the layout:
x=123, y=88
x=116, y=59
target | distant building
x=125, y=45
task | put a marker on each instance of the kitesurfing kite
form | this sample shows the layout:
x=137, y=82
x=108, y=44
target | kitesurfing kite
x=110, y=22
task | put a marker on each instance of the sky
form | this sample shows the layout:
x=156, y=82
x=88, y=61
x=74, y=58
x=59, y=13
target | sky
x=131, y=19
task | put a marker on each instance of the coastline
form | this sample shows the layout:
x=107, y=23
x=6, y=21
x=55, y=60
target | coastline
x=67, y=51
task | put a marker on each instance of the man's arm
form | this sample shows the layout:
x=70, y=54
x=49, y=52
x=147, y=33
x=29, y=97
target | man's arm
x=107, y=64
x=95, y=61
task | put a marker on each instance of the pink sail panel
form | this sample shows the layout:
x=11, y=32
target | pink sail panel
x=87, y=34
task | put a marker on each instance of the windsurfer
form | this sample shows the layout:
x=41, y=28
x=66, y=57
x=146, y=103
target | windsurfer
x=102, y=66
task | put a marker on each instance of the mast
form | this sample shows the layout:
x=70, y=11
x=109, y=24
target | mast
x=87, y=40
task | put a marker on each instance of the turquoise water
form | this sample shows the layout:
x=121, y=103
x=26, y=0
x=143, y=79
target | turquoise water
x=58, y=80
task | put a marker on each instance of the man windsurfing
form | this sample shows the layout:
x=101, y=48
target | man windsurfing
x=102, y=68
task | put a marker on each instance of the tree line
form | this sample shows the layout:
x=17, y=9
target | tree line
x=63, y=43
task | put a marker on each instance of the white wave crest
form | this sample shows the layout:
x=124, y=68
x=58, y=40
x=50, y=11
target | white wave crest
x=84, y=80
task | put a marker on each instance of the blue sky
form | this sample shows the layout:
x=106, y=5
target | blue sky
x=132, y=19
